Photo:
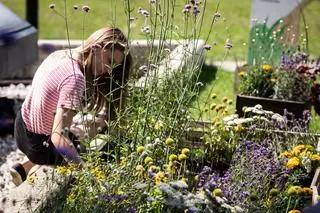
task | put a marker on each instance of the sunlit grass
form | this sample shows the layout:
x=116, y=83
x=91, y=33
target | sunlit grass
x=219, y=82
x=235, y=20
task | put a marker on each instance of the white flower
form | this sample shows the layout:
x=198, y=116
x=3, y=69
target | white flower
x=157, y=141
x=306, y=162
x=199, y=84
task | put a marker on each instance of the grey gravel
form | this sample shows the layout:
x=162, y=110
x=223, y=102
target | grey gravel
x=9, y=156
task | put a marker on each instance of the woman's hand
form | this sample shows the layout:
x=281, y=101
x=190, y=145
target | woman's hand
x=88, y=125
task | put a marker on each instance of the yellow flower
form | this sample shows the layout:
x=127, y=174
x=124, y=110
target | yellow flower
x=293, y=163
x=139, y=171
x=294, y=211
x=225, y=112
x=223, y=106
x=140, y=149
x=148, y=160
x=273, y=192
x=266, y=67
x=31, y=180
x=309, y=147
x=182, y=157
x=315, y=157
x=159, y=177
x=184, y=180
x=285, y=154
x=185, y=151
x=294, y=190
x=98, y=173
x=120, y=192
x=153, y=168
x=218, y=108
x=123, y=161
x=158, y=125
x=218, y=193
x=217, y=124
x=169, y=141
x=173, y=157
x=171, y=169
x=239, y=128
x=242, y=73
x=296, y=150
x=213, y=106
x=307, y=190
x=139, y=168
x=273, y=80
x=213, y=95
x=71, y=197
x=63, y=170
x=230, y=102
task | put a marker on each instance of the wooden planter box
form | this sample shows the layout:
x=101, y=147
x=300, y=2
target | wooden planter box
x=277, y=106
x=314, y=186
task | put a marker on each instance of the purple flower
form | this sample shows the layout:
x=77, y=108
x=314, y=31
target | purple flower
x=132, y=210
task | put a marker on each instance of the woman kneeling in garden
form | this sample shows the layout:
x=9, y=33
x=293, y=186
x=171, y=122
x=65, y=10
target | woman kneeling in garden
x=67, y=82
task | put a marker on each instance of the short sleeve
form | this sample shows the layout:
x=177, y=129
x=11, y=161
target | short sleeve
x=71, y=91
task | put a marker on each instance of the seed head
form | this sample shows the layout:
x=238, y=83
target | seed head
x=207, y=47
x=169, y=141
x=85, y=8
x=217, y=15
x=228, y=44
x=140, y=149
x=173, y=157
x=52, y=6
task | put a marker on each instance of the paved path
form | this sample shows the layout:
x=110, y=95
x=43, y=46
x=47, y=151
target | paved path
x=228, y=65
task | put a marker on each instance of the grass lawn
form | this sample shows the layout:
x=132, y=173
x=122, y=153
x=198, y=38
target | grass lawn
x=235, y=21
x=219, y=82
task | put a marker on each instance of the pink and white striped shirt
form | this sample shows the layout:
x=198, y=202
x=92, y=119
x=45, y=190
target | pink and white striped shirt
x=58, y=83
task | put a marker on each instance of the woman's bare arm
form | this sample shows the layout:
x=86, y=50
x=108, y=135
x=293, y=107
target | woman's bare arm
x=59, y=136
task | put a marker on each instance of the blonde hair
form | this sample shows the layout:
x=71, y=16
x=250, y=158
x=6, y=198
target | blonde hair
x=105, y=93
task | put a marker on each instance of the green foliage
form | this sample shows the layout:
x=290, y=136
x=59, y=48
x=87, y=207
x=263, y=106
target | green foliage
x=264, y=44
x=258, y=81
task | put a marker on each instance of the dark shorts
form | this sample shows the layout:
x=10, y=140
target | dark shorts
x=37, y=147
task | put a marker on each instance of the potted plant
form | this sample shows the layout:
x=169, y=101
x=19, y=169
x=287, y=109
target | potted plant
x=279, y=87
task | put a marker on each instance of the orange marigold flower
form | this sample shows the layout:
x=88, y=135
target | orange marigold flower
x=293, y=163
x=266, y=67
x=307, y=190
x=294, y=211
x=315, y=157
x=296, y=150
x=285, y=154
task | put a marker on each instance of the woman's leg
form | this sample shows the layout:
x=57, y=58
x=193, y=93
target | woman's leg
x=19, y=171
x=27, y=165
